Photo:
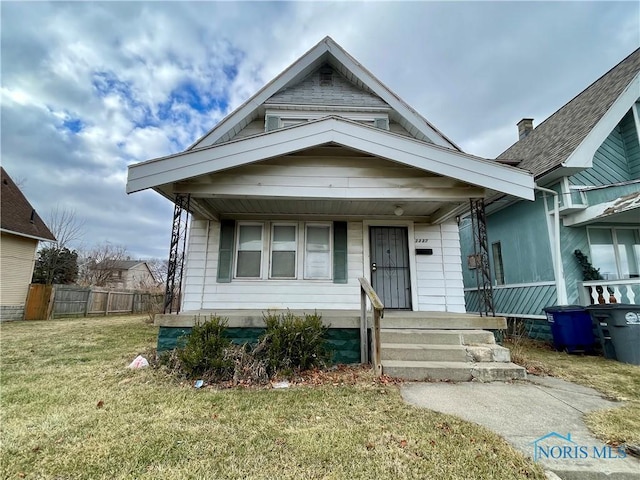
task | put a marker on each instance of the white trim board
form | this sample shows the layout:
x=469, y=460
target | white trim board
x=32, y=237
x=582, y=156
x=337, y=130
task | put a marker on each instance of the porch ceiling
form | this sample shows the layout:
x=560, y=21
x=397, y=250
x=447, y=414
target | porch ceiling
x=274, y=208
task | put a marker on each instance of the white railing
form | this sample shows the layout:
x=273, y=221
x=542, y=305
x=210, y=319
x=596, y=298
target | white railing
x=610, y=291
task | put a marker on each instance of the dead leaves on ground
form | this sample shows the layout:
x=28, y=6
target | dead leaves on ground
x=337, y=376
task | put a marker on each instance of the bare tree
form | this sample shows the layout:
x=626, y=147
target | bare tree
x=158, y=268
x=59, y=261
x=65, y=226
x=99, y=264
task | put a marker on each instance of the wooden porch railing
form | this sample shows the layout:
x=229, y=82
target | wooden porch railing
x=366, y=290
x=610, y=291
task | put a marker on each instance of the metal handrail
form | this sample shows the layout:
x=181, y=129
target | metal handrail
x=367, y=291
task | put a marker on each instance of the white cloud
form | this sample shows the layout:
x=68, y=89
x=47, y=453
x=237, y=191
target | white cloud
x=121, y=74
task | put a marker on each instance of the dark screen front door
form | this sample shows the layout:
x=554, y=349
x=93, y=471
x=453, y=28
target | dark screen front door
x=390, y=276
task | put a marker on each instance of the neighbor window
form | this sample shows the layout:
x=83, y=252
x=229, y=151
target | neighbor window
x=317, y=245
x=615, y=252
x=283, y=251
x=497, y=263
x=249, y=259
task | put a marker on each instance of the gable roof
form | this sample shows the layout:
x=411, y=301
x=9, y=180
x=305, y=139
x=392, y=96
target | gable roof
x=17, y=216
x=327, y=51
x=331, y=130
x=584, y=122
x=123, y=264
x=342, y=92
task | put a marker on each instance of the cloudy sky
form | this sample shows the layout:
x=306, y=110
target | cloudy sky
x=90, y=88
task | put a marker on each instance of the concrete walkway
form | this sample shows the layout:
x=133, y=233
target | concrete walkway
x=523, y=412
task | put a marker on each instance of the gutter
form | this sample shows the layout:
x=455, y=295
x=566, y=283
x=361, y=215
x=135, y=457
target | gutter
x=561, y=291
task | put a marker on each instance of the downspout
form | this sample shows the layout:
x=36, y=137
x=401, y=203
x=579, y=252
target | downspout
x=561, y=292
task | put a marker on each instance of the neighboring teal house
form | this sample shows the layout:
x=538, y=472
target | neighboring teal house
x=585, y=157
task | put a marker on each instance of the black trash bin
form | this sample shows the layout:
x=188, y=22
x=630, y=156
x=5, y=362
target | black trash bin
x=619, y=330
x=571, y=328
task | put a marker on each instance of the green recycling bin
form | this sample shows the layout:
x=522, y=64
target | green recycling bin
x=618, y=327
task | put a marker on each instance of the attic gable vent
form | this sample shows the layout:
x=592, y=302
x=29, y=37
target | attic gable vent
x=326, y=77
x=271, y=123
x=382, y=123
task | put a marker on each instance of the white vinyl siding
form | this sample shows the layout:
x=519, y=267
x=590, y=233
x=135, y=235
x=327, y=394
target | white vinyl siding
x=318, y=258
x=202, y=291
x=17, y=258
x=438, y=276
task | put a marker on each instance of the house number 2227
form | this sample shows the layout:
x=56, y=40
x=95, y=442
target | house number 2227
x=422, y=240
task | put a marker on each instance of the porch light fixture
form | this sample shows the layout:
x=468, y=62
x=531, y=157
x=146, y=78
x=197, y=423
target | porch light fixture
x=398, y=211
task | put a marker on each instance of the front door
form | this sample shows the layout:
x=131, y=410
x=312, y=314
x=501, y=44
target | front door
x=390, y=276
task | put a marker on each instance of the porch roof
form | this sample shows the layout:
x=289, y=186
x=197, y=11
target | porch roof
x=162, y=172
x=624, y=209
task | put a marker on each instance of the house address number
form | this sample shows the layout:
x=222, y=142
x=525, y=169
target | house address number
x=422, y=240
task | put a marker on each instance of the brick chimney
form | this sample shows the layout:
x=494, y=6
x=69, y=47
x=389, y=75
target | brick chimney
x=525, y=127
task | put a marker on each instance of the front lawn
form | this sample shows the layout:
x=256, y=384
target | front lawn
x=615, y=380
x=70, y=409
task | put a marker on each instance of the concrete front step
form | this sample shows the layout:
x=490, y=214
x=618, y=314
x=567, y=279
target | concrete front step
x=441, y=320
x=445, y=353
x=435, y=337
x=453, y=371
x=434, y=353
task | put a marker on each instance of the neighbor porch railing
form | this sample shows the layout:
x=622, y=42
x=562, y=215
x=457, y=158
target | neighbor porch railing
x=610, y=291
x=366, y=290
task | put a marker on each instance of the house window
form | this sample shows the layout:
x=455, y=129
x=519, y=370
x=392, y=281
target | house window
x=249, y=256
x=497, y=263
x=283, y=251
x=317, y=246
x=615, y=251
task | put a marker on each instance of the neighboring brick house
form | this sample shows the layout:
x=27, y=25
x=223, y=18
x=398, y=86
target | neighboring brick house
x=21, y=228
x=128, y=275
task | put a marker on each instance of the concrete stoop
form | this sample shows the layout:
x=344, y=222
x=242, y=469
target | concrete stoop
x=454, y=355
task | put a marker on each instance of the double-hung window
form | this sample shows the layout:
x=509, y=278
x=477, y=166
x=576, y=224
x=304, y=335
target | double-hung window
x=283, y=251
x=249, y=248
x=317, y=255
x=615, y=251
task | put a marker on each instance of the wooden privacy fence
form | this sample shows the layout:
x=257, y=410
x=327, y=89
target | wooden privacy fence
x=72, y=300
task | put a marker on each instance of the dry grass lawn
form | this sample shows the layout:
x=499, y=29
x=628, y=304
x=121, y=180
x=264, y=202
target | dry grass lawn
x=70, y=409
x=615, y=380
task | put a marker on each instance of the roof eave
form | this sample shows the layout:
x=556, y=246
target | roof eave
x=441, y=160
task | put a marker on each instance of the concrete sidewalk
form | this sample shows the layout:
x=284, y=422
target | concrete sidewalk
x=524, y=412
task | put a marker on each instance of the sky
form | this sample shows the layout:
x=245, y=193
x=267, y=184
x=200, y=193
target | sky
x=88, y=88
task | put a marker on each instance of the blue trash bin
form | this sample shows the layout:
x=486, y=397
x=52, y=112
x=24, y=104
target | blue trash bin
x=571, y=327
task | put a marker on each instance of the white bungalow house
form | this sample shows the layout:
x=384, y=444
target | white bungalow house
x=323, y=177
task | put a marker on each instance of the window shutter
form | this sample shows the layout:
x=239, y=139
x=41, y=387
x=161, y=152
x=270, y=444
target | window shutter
x=382, y=123
x=340, y=267
x=271, y=123
x=225, y=255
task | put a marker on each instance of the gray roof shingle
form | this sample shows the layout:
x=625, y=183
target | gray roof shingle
x=553, y=141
